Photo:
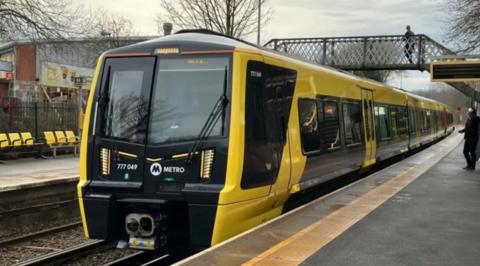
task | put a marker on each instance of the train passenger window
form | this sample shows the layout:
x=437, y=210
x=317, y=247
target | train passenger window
x=308, y=112
x=421, y=120
x=402, y=121
x=393, y=120
x=383, y=129
x=319, y=125
x=329, y=129
x=412, y=121
x=428, y=119
x=352, y=121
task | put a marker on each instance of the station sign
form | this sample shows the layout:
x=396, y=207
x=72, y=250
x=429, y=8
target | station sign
x=63, y=76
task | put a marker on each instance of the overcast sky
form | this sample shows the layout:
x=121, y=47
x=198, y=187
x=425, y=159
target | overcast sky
x=320, y=18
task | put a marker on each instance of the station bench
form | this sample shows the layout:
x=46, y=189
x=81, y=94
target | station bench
x=23, y=142
x=61, y=140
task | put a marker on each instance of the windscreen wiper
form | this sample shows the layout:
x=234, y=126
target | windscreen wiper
x=217, y=112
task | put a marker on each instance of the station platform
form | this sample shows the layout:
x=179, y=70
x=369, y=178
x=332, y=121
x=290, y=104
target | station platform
x=423, y=210
x=29, y=172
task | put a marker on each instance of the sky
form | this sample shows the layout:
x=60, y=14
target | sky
x=321, y=18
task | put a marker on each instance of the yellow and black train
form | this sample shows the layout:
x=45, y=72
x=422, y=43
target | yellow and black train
x=193, y=138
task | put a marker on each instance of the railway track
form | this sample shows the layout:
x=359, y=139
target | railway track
x=37, y=208
x=61, y=256
x=26, y=237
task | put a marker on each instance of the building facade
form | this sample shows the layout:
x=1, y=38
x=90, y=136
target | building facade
x=46, y=70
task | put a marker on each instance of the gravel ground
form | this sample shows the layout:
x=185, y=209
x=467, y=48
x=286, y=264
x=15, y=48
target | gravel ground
x=29, y=223
x=33, y=248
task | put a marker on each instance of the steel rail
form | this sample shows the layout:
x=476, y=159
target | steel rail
x=127, y=260
x=142, y=258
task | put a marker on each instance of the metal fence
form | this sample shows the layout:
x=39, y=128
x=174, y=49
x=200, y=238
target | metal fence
x=36, y=117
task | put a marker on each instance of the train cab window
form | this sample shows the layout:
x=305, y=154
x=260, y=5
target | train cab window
x=202, y=80
x=383, y=129
x=352, y=120
x=124, y=97
x=308, y=112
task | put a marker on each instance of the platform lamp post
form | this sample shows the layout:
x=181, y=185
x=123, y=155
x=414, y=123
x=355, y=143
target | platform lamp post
x=258, y=22
x=79, y=82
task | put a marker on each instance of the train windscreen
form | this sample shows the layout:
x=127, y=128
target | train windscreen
x=185, y=91
x=174, y=107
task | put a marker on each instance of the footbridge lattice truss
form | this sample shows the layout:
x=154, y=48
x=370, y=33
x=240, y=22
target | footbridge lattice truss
x=388, y=52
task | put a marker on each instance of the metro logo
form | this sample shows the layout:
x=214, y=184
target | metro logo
x=156, y=169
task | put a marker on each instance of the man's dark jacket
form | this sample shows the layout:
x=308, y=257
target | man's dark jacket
x=471, y=129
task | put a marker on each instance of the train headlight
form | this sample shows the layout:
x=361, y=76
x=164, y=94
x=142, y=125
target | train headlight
x=140, y=224
x=207, y=164
x=105, y=161
x=131, y=225
x=146, y=225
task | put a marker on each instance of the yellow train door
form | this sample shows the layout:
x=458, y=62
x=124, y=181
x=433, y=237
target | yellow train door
x=368, y=127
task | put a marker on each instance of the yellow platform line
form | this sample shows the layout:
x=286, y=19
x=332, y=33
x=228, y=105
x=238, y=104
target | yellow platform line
x=297, y=248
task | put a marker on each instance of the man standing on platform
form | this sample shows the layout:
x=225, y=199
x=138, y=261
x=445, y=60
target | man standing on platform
x=471, y=138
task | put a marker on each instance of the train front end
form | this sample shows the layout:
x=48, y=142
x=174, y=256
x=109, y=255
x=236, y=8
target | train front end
x=155, y=143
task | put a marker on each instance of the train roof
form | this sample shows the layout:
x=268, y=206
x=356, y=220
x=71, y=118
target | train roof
x=188, y=40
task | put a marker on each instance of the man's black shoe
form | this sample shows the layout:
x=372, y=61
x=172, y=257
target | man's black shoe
x=466, y=167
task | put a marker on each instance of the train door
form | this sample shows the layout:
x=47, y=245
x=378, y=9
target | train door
x=268, y=102
x=119, y=122
x=369, y=126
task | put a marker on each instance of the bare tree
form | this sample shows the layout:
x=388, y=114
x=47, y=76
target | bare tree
x=464, y=28
x=111, y=28
x=45, y=19
x=237, y=18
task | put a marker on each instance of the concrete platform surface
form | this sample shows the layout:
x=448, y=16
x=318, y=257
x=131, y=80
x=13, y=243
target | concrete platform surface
x=360, y=225
x=433, y=221
x=30, y=172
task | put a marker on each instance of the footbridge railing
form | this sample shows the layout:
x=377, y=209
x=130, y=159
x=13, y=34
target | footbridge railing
x=388, y=52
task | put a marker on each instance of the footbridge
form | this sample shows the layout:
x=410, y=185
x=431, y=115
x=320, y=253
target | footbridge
x=387, y=52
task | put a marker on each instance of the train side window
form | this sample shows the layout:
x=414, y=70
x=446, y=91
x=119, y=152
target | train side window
x=428, y=119
x=402, y=121
x=383, y=129
x=329, y=129
x=308, y=112
x=352, y=121
x=393, y=120
x=412, y=121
